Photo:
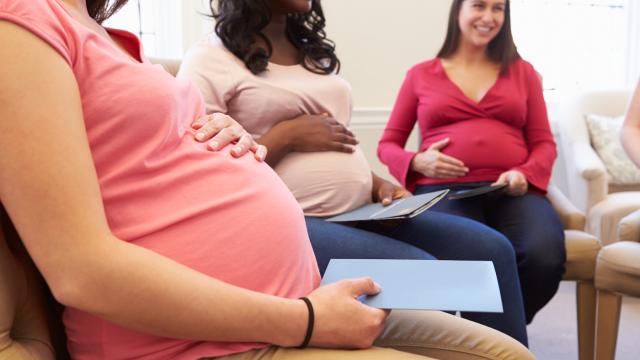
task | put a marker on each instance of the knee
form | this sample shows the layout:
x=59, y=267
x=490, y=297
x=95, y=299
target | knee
x=545, y=257
x=496, y=247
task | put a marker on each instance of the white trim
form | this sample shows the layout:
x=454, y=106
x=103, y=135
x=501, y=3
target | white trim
x=370, y=117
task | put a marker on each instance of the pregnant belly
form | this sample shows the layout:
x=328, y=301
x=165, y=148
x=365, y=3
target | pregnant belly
x=482, y=144
x=327, y=183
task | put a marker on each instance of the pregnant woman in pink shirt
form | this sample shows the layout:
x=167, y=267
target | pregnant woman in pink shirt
x=158, y=247
x=271, y=68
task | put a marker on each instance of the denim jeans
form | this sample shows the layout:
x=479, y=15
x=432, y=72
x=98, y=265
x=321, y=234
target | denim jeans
x=430, y=234
x=533, y=229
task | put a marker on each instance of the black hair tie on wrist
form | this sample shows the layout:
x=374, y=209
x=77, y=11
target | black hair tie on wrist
x=307, y=336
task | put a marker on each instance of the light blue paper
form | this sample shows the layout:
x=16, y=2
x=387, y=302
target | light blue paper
x=447, y=285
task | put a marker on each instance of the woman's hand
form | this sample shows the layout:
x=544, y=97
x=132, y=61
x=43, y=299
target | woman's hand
x=221, y=130
x=341, y=321
x=310, y=133
x=385, y=192
x=433, y=163
x=517, y=184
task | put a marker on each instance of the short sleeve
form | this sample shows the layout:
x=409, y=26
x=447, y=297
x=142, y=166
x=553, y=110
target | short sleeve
x=46, y=19
x=208, y=66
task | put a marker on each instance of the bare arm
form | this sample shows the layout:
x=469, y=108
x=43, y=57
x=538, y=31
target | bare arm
x=307, y=133
x=49, y=187
x=631, y=130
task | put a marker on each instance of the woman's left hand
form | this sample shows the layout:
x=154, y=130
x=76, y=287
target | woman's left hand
x=221, y=130
x=385, y=192
x=517, y=184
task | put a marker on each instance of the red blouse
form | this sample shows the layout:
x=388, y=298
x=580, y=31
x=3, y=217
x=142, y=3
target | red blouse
x=507, y=129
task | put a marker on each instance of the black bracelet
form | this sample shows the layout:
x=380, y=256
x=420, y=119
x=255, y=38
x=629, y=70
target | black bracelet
x=307, y=336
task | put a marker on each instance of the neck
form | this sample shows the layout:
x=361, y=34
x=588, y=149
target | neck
x=470, y=54
x=276, y=30
x=78, y=5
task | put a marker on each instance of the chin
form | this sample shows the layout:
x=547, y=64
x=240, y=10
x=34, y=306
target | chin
x=302, y=6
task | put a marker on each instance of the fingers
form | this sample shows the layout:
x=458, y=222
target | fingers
x=439, y=145
x=244, y=144
x=225, y=137
x=502, y=179
x=445, y=170
x=260, y=151
x=452, y=161
x=364, y=286
x=401, y=193
x=210, y=125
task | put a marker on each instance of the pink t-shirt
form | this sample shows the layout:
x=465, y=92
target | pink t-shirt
x=231, y=219
x=325, y=183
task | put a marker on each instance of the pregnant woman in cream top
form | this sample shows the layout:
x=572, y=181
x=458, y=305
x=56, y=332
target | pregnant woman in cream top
x=275, y=76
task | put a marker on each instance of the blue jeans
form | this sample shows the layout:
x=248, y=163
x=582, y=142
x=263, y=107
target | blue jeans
x=429, y=234
x=533, y=229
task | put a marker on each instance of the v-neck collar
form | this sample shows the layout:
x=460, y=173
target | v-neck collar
x=459, y=90
x=124, y=51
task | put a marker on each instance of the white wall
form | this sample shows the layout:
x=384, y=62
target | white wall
x=377, y=41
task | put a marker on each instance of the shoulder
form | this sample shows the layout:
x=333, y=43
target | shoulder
x=524, y=69
x=210, y=51
x=46, y=19
x=425, y=67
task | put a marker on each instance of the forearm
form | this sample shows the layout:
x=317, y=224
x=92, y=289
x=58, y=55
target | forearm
x=631, y=141
x=277, y=142
x=631, y=130
x=144, y=291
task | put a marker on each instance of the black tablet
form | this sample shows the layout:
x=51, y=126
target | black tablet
x=481, y=190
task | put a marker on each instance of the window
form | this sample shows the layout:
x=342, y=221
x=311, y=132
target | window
x=579, y=44
x=158, y=23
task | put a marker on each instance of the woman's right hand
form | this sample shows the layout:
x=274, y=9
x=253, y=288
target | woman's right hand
x=433, y=163
x=341, y=321
x=310, y=133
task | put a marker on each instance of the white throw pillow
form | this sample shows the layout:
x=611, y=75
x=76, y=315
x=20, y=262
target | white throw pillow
x=604, y=132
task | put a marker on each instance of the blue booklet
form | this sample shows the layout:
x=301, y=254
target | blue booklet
x=424, y=284
x=398, y=209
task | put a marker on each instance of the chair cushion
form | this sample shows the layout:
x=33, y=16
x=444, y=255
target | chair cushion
x=618, y=268
x=24, y=331
x=582, y=250
x=604, y=132
x=604, y=217
x=629, y=228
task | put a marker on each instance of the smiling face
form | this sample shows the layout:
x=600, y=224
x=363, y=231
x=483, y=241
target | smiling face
x=291, y=6
x=481, y=20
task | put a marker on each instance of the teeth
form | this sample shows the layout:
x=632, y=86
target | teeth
x=483, y=28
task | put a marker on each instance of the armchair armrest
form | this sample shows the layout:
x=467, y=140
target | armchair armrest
x=587, y=162
x=629, y=227
x=570, y=216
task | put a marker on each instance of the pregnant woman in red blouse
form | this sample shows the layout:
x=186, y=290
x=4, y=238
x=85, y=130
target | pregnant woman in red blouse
x=483, y=120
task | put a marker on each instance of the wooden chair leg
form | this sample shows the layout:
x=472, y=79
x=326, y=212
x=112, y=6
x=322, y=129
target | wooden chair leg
x=586, y=313
x=607, y=325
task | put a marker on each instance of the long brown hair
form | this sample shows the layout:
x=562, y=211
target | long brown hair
x=101, y=10
x=501, y=49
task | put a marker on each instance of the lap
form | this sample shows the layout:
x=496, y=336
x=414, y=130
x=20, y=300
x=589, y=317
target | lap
x=415, y=335
x=530, y=223
x=276, y=353
x=443, y=336
x=337, y=241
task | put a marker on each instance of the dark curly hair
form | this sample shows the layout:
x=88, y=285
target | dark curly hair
x=101, y=10
x=239, y=23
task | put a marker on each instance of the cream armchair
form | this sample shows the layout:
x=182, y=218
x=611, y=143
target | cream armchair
x=586, y=173
x=582, y=249
x=617, y=274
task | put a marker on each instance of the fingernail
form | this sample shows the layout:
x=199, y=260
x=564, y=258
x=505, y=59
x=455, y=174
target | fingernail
x=378, y=287
x=200, y=136
x=237, y=149
x=214, y=144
